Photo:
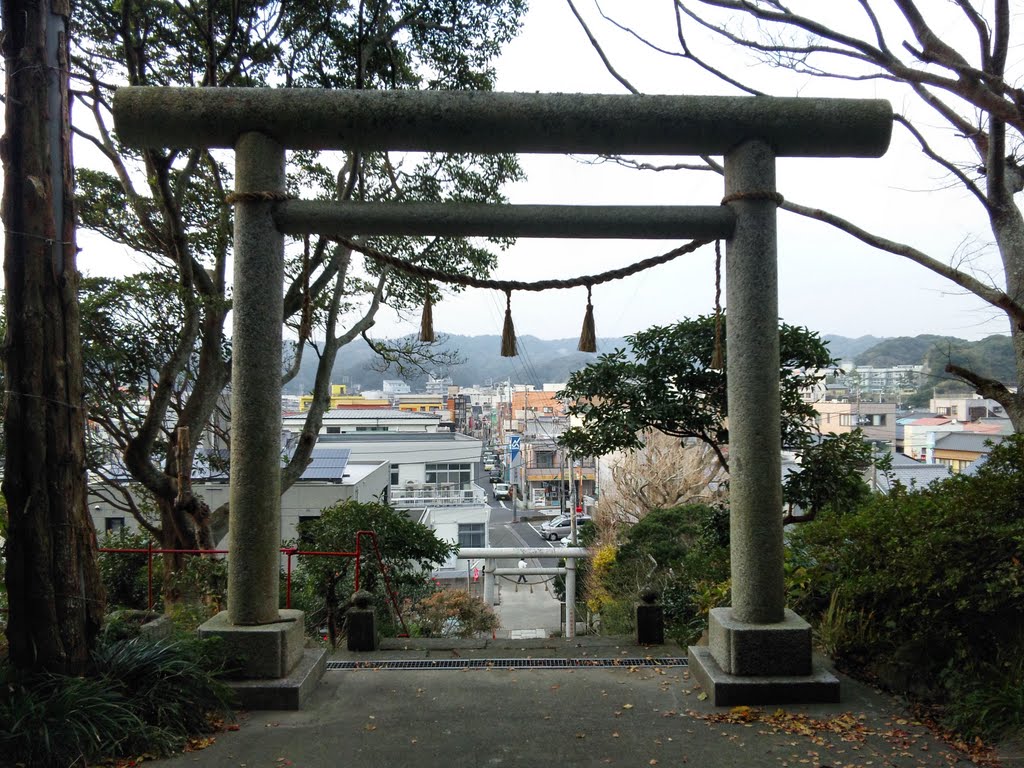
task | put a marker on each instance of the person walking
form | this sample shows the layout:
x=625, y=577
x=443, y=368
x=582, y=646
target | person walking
x=522, y=576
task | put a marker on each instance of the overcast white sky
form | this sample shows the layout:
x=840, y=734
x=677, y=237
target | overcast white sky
x=828, y=281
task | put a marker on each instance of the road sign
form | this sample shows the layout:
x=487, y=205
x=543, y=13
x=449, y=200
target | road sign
x=513, y=447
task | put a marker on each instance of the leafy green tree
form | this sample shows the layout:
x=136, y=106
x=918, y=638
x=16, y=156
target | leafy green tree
x=666, y=382
x=408, y=550
x=831, y=476
x=167, y=206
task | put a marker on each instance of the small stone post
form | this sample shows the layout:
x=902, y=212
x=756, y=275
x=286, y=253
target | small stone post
x=650, y=620
x=361, y=621
x=570, y=597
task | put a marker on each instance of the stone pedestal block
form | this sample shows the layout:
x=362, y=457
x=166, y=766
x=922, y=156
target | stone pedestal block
x=725, y=690
x=650, y=624
x=260, y=651
x=741, y=649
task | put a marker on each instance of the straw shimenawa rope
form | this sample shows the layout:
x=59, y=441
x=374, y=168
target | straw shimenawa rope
x=588, y=339
x=428, y=273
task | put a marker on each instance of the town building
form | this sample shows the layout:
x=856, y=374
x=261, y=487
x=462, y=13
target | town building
x=876, y=420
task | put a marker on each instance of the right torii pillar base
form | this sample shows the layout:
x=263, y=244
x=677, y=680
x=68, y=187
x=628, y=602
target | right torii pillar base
x=760, y=663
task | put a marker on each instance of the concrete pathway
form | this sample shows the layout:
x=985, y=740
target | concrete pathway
x=620, y=715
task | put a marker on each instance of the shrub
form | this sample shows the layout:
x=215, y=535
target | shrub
x=51, y=720
x=454, y=613
x=171, y=684
x=139, y=696
x=322, y=586
x=125, y=574
x=681, y=552
x=919, y=587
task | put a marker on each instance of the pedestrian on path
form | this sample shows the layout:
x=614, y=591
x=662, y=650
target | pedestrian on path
x=522, y=576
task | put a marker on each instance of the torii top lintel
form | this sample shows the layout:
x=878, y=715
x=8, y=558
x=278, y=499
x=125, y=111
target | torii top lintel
x=489, y=122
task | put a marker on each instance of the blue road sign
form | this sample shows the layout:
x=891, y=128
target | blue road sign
x=513, y=447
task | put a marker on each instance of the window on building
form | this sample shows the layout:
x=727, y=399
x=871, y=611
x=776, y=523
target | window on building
x=471, y=535
x=874, y=420
x=372, y=429
x=334, y=430
x=394, y=474
x=846, y=419
x=458, y=475
x=113, y=524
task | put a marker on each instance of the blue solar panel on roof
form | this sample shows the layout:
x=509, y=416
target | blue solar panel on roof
x=327, y=464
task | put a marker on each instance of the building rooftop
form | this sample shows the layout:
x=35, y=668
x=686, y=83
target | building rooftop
x=372, y=414
x=933, y=421
x=395, y=437
x=913, y=477
x=966, y=441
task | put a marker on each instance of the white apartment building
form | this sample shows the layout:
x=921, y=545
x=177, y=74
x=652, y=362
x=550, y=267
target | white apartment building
x=340, y=421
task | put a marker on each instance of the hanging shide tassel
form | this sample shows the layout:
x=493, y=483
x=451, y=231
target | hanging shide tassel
x=588, y=339
x=508, y=333
x=427, y=322
x=717, y=357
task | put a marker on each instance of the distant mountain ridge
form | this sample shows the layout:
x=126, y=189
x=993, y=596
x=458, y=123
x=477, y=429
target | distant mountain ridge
x=543, y=361
x=845, y=348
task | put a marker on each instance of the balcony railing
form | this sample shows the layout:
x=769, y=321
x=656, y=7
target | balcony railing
x=430, y=495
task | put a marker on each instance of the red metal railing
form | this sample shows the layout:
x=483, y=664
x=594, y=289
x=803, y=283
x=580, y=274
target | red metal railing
x=289, y=552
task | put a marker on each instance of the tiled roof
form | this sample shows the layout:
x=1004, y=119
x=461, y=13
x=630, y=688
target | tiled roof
x=912, y=477
x=931, y=422
x=966, y=441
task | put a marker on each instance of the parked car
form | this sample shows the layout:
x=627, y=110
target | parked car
x=561, y=526
x=502, y=491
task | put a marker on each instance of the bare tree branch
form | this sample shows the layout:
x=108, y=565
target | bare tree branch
x=600, y=51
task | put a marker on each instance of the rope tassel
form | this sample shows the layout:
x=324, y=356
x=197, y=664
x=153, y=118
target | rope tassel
x=588, y=339
x=508, y=333
x=427, y=321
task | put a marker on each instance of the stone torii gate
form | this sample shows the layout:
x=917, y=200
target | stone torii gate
x=759, y=651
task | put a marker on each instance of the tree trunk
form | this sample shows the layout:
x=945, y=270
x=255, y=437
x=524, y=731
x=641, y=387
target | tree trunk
x=53, y=583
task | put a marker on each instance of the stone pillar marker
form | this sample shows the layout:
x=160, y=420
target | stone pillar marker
x=752, y=362
x=269, y=643
x=257, y=318
x=758, y=652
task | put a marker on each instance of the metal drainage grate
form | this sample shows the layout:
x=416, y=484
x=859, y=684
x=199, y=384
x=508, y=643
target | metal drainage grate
x=419, y=664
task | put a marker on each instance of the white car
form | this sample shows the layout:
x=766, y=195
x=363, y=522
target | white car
x=561, y=526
